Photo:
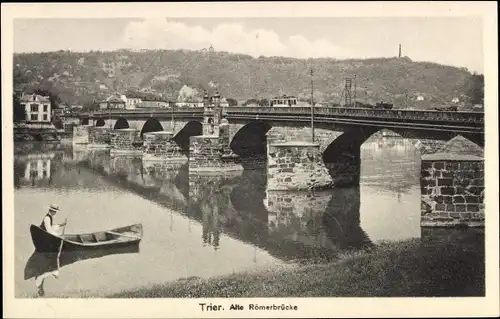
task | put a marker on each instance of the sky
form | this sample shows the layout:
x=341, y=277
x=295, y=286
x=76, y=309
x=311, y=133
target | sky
x=456, y=41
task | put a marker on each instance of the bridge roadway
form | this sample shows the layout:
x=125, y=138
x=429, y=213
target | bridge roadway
x=458, y=122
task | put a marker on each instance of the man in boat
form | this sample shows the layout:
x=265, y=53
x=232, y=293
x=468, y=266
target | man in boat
x=47, y=223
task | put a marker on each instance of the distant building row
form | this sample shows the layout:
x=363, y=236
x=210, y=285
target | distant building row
x=132, y=101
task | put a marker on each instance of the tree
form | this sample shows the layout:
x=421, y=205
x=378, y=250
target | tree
x=232, y=102
x=90, y=106
x=474, y=88
x=54, y=98
x=264, y=102
x=251, y=101
x=19, y=111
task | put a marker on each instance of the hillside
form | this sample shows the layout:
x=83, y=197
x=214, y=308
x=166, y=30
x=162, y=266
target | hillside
x=82, y=77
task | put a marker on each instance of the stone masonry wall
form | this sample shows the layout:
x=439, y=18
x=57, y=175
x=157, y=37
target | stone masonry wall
x=452, y=192
x=206, y=153
x=296, y=166
x=99, y=135
x=81, y=134
x=161, y=146
x=125, y=139
x=322, y=137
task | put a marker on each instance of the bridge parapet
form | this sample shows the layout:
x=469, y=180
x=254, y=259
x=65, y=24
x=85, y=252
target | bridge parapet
x=156, y=113
x=401, y=114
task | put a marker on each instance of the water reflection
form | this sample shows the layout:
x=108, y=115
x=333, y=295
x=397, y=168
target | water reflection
x=394, y=155
x=289, y=225
x=217, y=211
x=42, y=266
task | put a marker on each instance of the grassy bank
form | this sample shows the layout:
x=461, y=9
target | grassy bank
x=409, y=268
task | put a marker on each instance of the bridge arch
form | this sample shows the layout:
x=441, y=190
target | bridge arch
x=100, y=122
x=250, y=141
x=342, y=154
x=151, y=125
x=191, y=128
x=121, y=123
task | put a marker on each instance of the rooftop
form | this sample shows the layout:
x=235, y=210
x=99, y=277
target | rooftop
x=458, y=148
x=114, y=99
x=34, y=98
x=284, y=96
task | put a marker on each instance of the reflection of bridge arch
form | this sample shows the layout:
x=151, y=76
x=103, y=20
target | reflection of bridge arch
x=100, y=122
x=151, y=125
x=222, y=209
x=121, y=123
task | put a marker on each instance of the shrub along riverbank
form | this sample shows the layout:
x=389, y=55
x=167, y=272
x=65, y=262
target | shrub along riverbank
x=451, y=264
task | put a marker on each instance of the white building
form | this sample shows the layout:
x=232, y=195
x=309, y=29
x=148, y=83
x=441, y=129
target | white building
x=112, y=102
x=284, y=101
x=132, y=101
x=37, y=108
x=189, y=103
x=224, y=102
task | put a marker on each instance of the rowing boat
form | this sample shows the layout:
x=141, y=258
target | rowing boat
x=118, y=237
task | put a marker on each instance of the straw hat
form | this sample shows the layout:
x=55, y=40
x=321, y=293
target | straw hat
x=54, y=208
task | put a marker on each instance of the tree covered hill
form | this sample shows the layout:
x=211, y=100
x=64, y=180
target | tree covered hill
x=83, y=77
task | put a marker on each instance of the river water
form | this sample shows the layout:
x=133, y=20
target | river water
x=201, y=226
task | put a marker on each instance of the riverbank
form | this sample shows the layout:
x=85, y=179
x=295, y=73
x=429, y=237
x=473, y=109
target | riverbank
x=448, y=265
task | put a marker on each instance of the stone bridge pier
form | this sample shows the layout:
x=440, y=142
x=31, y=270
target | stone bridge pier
x=125, y=142
x=295, y=162
x=452, y=185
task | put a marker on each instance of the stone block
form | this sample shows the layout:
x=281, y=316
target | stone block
x=474, y=190
x=446, y=174
x=445, y=182
x=460, y=208
x=455, y=215
x=440, y=207
x=426, y=166
x=447, y=199
x=450, y=207
x=472, y=207
x=477, y=182
x=438, y=165
x=445, y=190
x=458, y=199
x=427, y=183
x=459, y=190
x=472, y=199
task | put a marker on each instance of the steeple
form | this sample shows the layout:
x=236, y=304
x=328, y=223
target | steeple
x=206, y=99
x=400, y=50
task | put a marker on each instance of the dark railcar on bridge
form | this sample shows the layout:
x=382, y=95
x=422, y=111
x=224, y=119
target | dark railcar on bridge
x=380, y=105
x=383, y=105
x=445, y=109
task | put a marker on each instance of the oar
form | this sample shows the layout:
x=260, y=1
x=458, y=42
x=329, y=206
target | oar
x=60, y=246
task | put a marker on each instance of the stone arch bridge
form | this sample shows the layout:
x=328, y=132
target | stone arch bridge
x=282, y=139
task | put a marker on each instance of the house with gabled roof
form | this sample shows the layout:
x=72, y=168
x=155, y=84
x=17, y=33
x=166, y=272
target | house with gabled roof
x=37, y=107
x=112, y=102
